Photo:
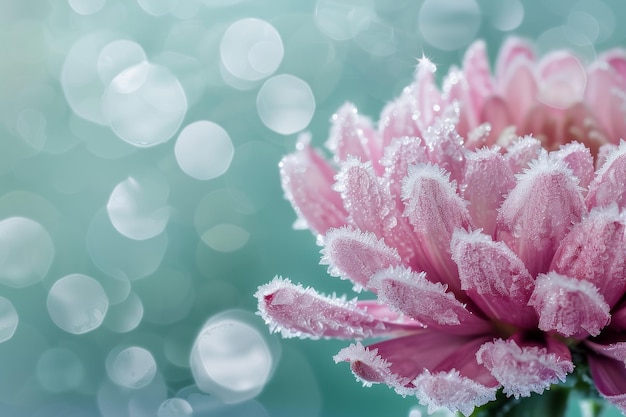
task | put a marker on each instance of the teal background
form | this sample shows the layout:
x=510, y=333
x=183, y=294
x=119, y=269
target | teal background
x=65, y=182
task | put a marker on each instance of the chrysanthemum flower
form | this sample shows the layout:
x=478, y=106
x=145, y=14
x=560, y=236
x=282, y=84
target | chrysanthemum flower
x=487, y=217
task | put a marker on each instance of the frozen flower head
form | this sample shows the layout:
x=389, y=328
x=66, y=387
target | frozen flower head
x=487, y=218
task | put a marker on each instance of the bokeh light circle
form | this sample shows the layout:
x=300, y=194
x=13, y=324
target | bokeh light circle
x=26, y=252
x=77, y=303
x=60, y=370
x=8, y=319
x=285, y=104
x=145, y=104
x=175, y=407
x=251, y=49
x=132, y=367
x=204, y=150
x=449, y=24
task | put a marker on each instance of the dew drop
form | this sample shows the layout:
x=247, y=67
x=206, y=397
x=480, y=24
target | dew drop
x=175, y=407
x=204, y=150
x=133, y=367
x=449, y=24
x=77, y=303
x=145, y=104
x=26, y=252
x=8, y=320
x=251, y=49
x=285, y=104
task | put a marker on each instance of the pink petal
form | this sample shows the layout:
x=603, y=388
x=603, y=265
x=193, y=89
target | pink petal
x=609, y=376
x=355, y=255
x=434, y=209
x=562, y=79
x=453, y=391
x=569, y=306
x=478, y=74
x=396, y=362
x=411, y=294
x=427, y=102
x=307, y=181
x=615, y=351
x=539, y=212
x=519, y=89
x=523, y=370
x=513, y=50
x=578, y=158
x=397, y=119
x=399, y=155
x=521, y=152
x=494, y=278
x=486, y=181
x=301, y=312
x=495, y=111
x=353, y=134
x=609, y=184
x=601, y=80
x=445, y=145
x=604, y=151
x=595, y=251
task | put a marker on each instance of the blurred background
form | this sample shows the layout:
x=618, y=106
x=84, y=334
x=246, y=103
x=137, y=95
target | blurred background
x=140, y=202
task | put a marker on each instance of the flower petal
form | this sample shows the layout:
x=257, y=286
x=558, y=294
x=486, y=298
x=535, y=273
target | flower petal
x=494, y=278
x=615, y=351
x=478, y=74
x=307, y=181
x=487, y=179
x=399, y=156
x=513, y=50
x=595, y=251
x=539, y=212
x=453, y=391
x=356, y=255
x=519, y=88
x=521, y=152
x=411, y=294
x=435, y=209
x=352, y=134
x=301, y=312
x=609, y=184
x=569, y=306
x=609, y=376
x=445, y=145
x=578, y=158
x=562, y=79
x=526, y=369
x=397, y=119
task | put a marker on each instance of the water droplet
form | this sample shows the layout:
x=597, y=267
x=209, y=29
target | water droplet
x=137, y=207
x=26, y=252
x=86, y=7
x=449, y=24
x=77, y=303
x=175, y=407
x=251, y=49
x=8, y=320
x=230, y=358
x=133, y=367
x=226, y=237
x=285, y=104
x=60, y=370
x=204, y=150
x=145, y=104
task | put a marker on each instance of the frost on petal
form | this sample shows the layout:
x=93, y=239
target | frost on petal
x=615, y=350
x=355, y=255
x=540, y=211
x=444, y=144
x=426, y=100
x=513, y=50
x=352, y=134
x=521, y=152
x=609, y=377
x=478, y=74
x=494, y=277
x=411, y=294
x=397, y=119
x=301, y=312
x=399, y=156
x=609, y=184
x=435, y=209
x=595, y=251
x=487, y=179
x=453, y=391
x=578, y=158
x=569, y=306
x=524, y=370
x=368, y=367
x=307, y=181
x=519, y=88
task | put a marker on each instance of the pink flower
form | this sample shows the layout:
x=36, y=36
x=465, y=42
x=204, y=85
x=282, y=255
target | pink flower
x=493, y=257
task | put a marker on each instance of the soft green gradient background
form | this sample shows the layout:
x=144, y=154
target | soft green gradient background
x=35, y=36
